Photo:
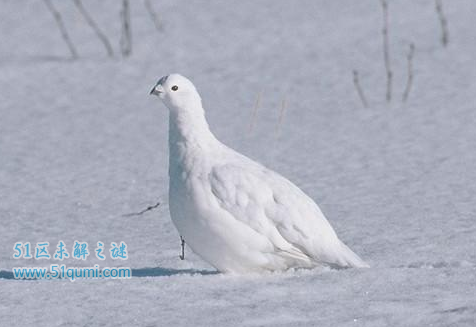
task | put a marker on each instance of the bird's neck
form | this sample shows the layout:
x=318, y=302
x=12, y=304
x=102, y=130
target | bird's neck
x=189, y=131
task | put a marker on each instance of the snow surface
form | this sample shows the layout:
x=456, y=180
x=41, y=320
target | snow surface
x=82, y=144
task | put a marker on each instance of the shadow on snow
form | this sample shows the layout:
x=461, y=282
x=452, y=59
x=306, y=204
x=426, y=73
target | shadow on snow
x=138, y=272
x=160, y=271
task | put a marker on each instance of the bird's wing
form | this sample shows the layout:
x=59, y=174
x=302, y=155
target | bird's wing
x=276, y=208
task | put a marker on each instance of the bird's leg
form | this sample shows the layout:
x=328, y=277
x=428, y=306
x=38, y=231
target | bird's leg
x=182, y=244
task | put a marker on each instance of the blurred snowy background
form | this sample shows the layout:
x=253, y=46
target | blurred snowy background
x=82, y=144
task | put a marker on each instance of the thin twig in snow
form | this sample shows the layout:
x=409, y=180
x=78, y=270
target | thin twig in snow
x=359, y=89
x=95, y=27
x=410, y=55
x=126, y=35
x=255, y=111
x=443, y=22
x=140, y=213
x=281, y=116
x=154, y=16
x=386, y=52
x=62, y=28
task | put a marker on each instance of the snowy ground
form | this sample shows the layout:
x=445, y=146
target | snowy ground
x=82, y=144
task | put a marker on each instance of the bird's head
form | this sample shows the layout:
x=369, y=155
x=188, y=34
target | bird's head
x=177, y=92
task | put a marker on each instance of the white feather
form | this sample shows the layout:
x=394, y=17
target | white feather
x=236, y=214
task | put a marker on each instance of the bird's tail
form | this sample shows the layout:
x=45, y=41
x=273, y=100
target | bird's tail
x=349, y=259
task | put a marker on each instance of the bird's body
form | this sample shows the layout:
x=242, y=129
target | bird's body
x=236, y=214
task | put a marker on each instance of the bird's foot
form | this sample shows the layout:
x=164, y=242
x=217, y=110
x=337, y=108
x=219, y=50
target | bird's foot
x=182, y=244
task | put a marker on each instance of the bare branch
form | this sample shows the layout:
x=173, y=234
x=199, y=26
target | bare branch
x=255, y=111
x=281, y=116
x=408, y=87
x=126, y=35
x=140, y=213
x=359, y=89
x=95, y=27
x=386, y=52
x=443, y=22
x=62, y=28
x=154, y=16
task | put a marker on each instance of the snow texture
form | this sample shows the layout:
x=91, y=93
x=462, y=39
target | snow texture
x=82, y=144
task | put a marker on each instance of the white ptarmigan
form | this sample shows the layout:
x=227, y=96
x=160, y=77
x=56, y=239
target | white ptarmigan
x=238, y=215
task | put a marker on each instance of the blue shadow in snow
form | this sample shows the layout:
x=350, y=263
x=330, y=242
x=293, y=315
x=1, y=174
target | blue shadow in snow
x=160, y=271
x=5, y=274
x=139, y=272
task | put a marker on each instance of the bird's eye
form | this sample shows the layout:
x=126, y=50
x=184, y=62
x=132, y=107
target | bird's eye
x=174, y=88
